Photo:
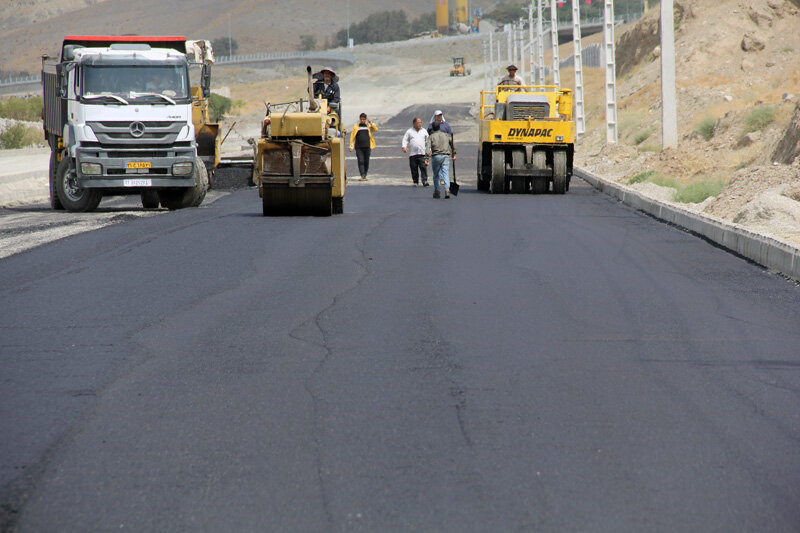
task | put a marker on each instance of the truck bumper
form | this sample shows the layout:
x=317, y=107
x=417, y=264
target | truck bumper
x=115, y=174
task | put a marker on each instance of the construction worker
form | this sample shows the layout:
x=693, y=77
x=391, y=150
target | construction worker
x=512, y=78
x=363, y=142
x=327, y=87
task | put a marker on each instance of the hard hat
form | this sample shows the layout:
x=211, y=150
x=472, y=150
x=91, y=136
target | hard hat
x=512, y=67
x=328, y=69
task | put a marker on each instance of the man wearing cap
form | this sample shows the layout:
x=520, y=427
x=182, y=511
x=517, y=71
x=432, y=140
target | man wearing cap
x=511, y=78
x=438, y=117
x=326, y=86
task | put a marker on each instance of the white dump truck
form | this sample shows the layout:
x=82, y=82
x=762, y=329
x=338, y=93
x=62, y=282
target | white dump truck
x=118, y=117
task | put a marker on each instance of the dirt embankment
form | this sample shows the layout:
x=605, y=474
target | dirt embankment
x=738, y=85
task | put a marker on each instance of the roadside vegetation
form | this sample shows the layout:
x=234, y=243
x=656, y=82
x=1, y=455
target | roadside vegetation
x=759, y=118
x=687, y=193
x=20, y=135
x=705, y=128
x=27, y=109
x=219, y=106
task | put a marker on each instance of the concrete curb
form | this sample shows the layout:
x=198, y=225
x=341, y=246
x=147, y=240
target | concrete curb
x=766, y=251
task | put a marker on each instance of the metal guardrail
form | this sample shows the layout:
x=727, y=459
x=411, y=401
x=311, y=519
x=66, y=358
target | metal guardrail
x=20, y=80
x=275, y=56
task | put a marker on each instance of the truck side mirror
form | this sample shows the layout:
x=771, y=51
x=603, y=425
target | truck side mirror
x=205, y=80
x=63, y=78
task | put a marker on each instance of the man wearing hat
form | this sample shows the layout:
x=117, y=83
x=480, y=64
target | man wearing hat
x=511, y=78
x=438, y=118
x=326, y=86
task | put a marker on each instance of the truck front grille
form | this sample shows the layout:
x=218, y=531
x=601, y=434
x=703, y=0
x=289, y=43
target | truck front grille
x=119, y=133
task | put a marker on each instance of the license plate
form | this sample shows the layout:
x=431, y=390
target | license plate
x=138, y=183
x=137, y=164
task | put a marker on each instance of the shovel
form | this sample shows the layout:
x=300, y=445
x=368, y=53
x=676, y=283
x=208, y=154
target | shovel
x=454, y=186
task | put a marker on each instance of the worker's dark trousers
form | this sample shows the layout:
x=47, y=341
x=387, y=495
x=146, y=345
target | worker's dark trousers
x=362, y=154
x=417, y=164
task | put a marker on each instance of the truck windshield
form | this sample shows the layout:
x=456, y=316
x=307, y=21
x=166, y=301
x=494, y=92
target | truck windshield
x=136, y=83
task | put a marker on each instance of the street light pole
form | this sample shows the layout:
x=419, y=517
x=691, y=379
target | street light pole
x=230, y=41
x=348, y=24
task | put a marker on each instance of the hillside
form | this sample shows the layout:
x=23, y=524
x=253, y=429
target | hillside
x=738, y=84
x=33, y=27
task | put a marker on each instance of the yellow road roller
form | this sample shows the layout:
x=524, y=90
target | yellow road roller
x=527, y=139
x=300, y=158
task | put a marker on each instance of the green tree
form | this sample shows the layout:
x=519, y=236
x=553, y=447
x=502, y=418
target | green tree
x=220, y=46
x=425, y=22
x=308, y=42
x=218, y=105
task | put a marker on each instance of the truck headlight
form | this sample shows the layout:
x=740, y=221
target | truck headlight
x=559, y=137
x=91, y=169
x=182, y=169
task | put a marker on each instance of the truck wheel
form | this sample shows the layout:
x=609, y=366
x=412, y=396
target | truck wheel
x=338, y=206
x=518, y=185
x=184, y=197
x=72, y=197
x=539, y=162
x=498, y=181
x=481, y=183
x=559, y=172
x=150, y=199
x=55, y=203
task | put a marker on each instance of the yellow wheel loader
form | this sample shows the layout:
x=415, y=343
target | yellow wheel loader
x=459, y=67
x=300, y=158
x=527, y=139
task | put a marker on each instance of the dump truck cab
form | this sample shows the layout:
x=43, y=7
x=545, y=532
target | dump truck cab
x=527, y=139
x=118, y=116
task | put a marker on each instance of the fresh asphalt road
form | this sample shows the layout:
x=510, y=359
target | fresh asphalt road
x=485, y=363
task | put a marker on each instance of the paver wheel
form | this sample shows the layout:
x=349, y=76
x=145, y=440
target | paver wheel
x=539, y=162
x=518, y=183
x=559, y=172
x=481, y=182
x=497, y=184
x=70, y=196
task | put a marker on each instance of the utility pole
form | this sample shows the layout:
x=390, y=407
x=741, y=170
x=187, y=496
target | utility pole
x=554, y=39
x=531, y=47
x=611, y=75
x=540, y=42
x=669, y=121
x=509, y=30
x=491, y=60
x=580, y=120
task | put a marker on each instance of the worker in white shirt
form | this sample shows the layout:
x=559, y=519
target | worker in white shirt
x=512, y=78
x=414, y=145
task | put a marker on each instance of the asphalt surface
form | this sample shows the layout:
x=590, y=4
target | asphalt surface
x=556, y=363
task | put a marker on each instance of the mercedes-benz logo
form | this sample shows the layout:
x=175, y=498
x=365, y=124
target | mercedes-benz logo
x=137, y=129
